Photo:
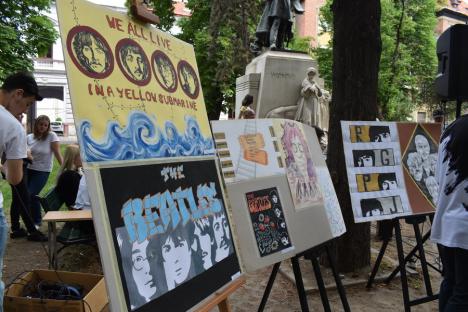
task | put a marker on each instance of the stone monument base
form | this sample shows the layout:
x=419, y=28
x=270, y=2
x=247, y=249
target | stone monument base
x=274, y=79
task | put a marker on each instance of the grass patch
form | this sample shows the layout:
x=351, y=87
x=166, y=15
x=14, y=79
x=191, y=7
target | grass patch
x=6, y=189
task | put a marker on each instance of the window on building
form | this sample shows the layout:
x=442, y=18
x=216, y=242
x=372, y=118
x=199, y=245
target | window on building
x=48, y=54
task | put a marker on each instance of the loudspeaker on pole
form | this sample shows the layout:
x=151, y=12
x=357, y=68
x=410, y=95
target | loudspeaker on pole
x=452, y=52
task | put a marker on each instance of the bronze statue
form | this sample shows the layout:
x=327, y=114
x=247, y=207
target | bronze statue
x=275, y=26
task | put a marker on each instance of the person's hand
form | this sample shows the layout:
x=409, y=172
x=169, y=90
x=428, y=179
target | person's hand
x=29, y=155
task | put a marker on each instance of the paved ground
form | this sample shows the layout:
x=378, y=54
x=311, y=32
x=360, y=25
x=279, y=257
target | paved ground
x=23, y=256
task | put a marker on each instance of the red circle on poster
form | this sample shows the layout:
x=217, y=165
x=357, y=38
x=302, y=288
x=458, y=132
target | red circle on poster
x=164, y=71
x=133, y=62
x=188, y=79
x=90, y=52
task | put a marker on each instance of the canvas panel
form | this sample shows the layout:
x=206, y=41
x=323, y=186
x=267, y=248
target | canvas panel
x=330, y=201
x=169, y=233
x=301, y=157
x=388, y=165
x=420, y=144
x=135, y=90
x=247, y=148
x=375, y=176
x=306, y=228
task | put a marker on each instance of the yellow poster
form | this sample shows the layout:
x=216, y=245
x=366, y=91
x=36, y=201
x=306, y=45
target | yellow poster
x=135, y=90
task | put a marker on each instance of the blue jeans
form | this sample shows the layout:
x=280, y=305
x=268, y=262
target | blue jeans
x=36, y=182
x=3, y=242
x=453, y=296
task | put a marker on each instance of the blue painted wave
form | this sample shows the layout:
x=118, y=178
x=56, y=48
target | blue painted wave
x=143, y=139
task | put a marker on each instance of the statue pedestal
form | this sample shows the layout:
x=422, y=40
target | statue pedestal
x=274, y=79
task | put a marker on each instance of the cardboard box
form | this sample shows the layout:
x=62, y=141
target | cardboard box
x=94, y=289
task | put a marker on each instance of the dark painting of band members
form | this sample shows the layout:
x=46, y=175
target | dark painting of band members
x=172, y=230
x=162, y=262
x=420, y=160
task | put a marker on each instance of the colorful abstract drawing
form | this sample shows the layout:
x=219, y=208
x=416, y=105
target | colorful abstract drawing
x=268, y=221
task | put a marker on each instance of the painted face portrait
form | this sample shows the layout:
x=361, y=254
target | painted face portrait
x=366, y=161
x=299, y=155
x=383, y=137
x=422, y=146
x=433, y=188
x=167, y=74
x=91, y=52
x=222, y=237
x=164, y=71
x=389, y=185
x=141, y=270
x=433, y=163
x=176, y=254
x=380, y=134
x=371, y=207
x=204, y=241
x=188, y=82
x=135, y=62
x=414, y=163
x=188, y=79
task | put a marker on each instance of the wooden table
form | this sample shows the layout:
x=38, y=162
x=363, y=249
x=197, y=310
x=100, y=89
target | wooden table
x=52, y=217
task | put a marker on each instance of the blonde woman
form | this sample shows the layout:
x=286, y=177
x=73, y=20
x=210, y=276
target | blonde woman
x=69, y=175
x=44, y=144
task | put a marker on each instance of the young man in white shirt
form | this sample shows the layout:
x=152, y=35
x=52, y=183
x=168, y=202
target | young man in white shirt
x=18, y=92
x=450, y=226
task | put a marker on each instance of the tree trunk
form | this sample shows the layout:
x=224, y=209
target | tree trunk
x=356, y=58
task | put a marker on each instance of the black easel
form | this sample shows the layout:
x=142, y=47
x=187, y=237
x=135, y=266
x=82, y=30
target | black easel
x=313, y=253
x=402, y=260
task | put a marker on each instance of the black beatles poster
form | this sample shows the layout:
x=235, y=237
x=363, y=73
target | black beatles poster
x=171, y=233
x=268, y=222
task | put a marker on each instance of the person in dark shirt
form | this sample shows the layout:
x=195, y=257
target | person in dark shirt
x=69, y=175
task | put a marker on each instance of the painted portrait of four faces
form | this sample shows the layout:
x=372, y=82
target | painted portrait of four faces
x=162, y=262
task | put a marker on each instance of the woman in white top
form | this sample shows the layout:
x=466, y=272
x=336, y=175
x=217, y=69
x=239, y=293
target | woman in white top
x=43, y=144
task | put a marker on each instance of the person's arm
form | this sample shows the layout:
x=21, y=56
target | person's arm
x=55, y=146
x=14, y=171
x=29, y=155
x=15, y=152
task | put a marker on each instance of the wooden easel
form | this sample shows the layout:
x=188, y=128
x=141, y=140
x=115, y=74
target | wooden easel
x=220, y=298
x=402, y=260
x=313, y=253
